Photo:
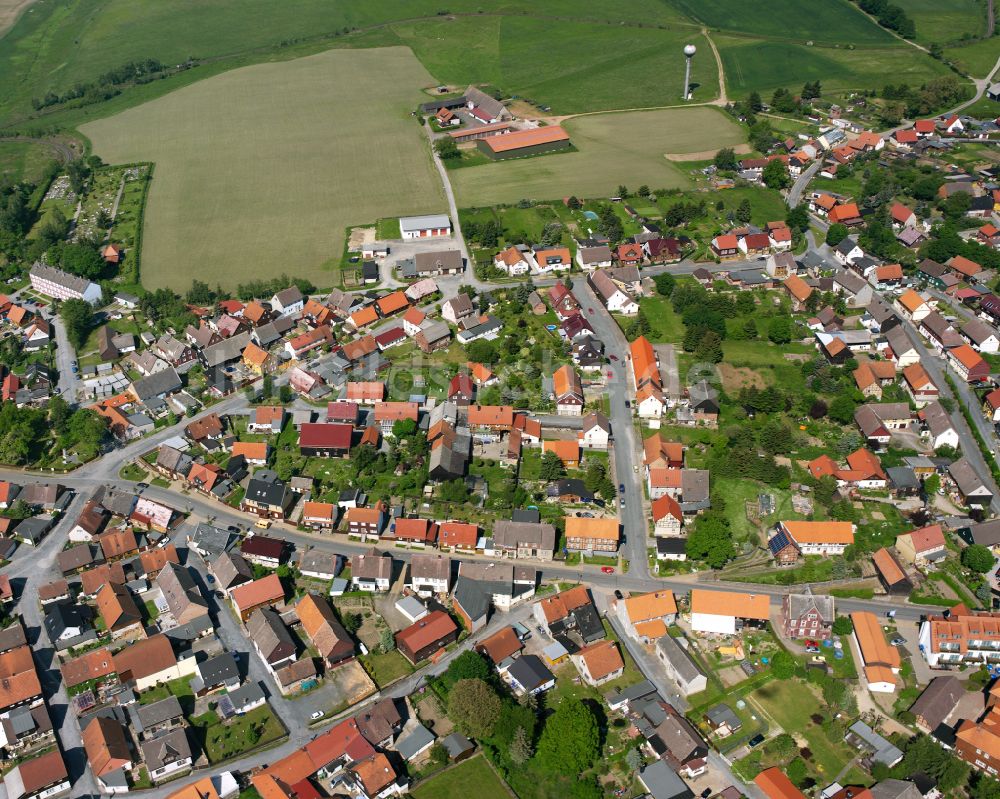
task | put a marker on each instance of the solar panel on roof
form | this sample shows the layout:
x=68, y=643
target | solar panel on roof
x=779, y=542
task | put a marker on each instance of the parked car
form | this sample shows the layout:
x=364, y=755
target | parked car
x=613, y=357
x=608, y=569
x=897, y=640
x=142, y=486
x=316, y=714
x=618, y=594
x=757, y=740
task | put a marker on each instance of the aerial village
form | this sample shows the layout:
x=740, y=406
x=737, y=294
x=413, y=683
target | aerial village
x=521, y=512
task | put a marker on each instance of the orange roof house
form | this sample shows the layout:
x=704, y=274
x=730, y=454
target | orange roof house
x=776, y=785
x=491, y=416
x=254, y=451
x=845, y=214
x=963, y=265
x=568, y=451
x=660, y=453
x=256, y=359
x=798, y=288
x=645, y=369
x=501, y=645
x=599, y=662
x=582, y=533
x=250, y=596
x=365, y=316
x=392, y=303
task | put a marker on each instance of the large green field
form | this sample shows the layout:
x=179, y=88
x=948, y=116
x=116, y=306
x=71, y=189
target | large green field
x=585, y=66
x=260, y=170
x=611, y=149
x=835, y=21
x=764, y=66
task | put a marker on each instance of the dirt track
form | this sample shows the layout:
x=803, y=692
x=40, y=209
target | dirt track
x=10, y=10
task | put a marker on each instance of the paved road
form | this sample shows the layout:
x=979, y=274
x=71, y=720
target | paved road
x=802, y=183
x=626, y=447
x=32, y=568
x=65, y=357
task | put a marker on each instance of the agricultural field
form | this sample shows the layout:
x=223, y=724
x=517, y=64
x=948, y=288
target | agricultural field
x=612, y=149
x=285, y=166
x=58, y=45
x=945, y=21
x=764, y=66
x=977, y=58
x=837, y=22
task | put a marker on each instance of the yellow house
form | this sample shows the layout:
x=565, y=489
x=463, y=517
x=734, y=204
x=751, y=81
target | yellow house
x=257, y=360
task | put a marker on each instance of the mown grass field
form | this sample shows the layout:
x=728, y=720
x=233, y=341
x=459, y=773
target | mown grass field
x=260, y=170
x=612, y=149
x=764, y=66
x=837, y=21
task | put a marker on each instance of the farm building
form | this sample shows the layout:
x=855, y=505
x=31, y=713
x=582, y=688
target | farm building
x=524, y=143
x=422, y=227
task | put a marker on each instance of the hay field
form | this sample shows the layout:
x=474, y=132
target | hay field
x=612, y=149
x=259, y=170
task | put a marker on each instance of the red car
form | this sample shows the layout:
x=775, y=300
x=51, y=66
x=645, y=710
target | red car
x=613, y=357
x=608, y=569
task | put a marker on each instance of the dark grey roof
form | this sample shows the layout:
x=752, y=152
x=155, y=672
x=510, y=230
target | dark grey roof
x=246, y=694
x=211, y=540
x=166, y=749
x=226, y=350
x=662, y=782
x=157, y=384
x=456, y=744
x=413, y=742
x=895, y=789
x=883, y=751
x=903, y=478
x=219, y=669
x=267, y=488
x=158, y=712
x=723, y=714
x=529, y=672
x=678, y=658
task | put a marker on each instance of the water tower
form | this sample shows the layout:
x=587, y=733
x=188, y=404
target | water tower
x=689, y=51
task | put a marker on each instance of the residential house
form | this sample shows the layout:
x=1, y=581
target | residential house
x=881, y=661
x=371, y=571
x=807, y=616
x=425, y=637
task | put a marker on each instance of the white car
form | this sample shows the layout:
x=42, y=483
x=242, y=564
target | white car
x=316, y=714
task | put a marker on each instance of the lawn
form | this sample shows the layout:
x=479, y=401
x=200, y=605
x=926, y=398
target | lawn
x=456, y=782
x=666, y=325
x=765, y=65
x=230, y=188
x=612, y=149
x=837, y=22
x=385, y=668
x=791, y=704
x=224, y=741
